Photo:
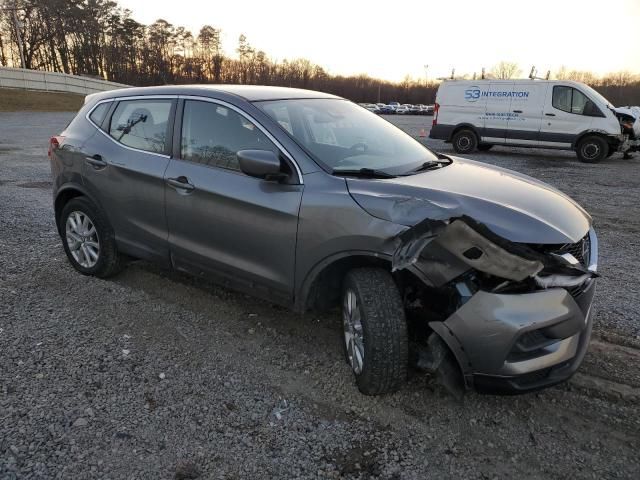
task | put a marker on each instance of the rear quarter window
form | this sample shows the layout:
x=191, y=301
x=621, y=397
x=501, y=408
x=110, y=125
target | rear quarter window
x=98, y=114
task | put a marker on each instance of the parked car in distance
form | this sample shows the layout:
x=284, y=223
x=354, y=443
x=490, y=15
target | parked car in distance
x=558, y=114
x=387, y=110
x=372, y=107
x=402, y=110
x=415, y=110
x=480, y=275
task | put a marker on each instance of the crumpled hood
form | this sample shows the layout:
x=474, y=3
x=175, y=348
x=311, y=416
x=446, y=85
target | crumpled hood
x=633, y=112
x=514, y=206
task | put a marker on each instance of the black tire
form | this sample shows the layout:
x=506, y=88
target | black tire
x=592, y=149
x=464, y=141
x=109, y=261
x=384, y=328
x=484, y=147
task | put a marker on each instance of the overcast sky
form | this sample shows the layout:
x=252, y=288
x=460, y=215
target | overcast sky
x=393, y=38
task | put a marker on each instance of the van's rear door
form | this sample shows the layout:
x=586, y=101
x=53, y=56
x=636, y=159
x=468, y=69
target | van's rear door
x=497, y=110
x=526, y=112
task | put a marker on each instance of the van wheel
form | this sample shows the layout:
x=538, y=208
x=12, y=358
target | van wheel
x=374, y=331
x=464, y=141
x=592, y=149
x=88, y=239
x=483, y=147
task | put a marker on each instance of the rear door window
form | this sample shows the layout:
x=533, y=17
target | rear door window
x=212, y=134
x=142, y=124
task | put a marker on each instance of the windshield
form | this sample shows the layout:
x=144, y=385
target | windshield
x=344, y=136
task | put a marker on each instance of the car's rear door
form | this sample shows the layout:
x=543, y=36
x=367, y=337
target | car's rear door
x=222, y=222
x=124, y=165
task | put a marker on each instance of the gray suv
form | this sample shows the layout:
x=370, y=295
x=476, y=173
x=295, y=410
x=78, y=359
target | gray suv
x=482, y=276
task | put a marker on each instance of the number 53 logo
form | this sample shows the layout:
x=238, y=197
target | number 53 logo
x=472, y=94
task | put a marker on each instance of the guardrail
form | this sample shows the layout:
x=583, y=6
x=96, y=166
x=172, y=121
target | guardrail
x=53, y=81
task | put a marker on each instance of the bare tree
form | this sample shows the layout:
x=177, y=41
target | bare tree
x=97, y=37
x=506, y=70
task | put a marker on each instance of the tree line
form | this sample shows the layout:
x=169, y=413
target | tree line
x=98, y=38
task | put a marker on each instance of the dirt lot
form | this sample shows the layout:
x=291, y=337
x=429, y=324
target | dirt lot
x=156, y=375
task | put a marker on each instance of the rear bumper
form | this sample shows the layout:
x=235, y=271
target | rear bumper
x=522, y=342
x=441, y=132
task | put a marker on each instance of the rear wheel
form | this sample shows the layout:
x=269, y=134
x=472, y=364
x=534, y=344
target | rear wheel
x=592, y=149
x=464, y=141
x=88, y=239
x=483, y=147
x=374, y=331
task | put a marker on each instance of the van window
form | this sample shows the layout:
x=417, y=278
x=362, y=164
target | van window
x=141, y=124
x=571, y=100
x=212, y=135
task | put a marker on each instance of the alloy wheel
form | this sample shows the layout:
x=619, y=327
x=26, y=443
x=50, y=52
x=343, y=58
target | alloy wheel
x=353, y=333
x=82, y=239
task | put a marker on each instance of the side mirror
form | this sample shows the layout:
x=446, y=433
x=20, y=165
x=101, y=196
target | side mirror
x=261, y=164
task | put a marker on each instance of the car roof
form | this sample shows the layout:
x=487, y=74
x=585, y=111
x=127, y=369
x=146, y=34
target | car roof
x=251, y=93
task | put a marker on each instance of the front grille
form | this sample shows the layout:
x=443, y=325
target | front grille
x=581, y=250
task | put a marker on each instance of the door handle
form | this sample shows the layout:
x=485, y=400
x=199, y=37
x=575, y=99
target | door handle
x=550, y=114
x=180, y=182
x=96, y=161
x=517, y=111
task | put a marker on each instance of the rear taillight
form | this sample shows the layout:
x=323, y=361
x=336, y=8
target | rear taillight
x=54, y=144
x=436, y=107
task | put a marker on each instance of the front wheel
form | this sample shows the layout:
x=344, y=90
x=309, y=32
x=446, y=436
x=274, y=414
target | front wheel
x=464, y=141
x=374, y=331
x=592, y=149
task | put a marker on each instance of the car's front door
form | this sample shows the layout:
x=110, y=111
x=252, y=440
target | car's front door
x=123, y=168
x=564, y=116
x=222, y=222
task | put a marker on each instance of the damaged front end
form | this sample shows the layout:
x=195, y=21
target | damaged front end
x=629, y=119
x=515, y=316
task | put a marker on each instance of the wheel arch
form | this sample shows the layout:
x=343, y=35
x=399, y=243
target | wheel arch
x=611, y=141
x=65, y=194
x=463, y=126
x=322, y=286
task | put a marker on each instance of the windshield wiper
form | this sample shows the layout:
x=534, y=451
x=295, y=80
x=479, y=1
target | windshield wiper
x=364, y=172
x=432, y=164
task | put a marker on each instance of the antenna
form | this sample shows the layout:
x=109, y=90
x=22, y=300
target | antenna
x=548, y=75
x=483, y=73
x=532, y=74
x=453, y=72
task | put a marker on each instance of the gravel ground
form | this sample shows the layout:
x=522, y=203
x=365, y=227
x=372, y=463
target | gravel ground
x=156, y=375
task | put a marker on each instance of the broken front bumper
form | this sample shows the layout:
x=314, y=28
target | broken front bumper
x=517, y=343
x=514, y=343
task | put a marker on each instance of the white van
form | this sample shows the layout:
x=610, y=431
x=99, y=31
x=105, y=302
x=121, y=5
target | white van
x=533, y=113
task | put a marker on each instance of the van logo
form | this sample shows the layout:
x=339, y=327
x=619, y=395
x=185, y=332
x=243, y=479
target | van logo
x=472, y=94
